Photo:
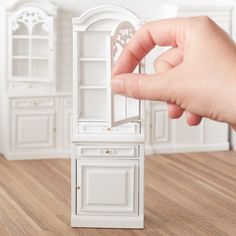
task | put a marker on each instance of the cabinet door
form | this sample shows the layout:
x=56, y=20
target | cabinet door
x=107, y=187
x=31, y=55
x=33, y=129
x=67, y=122
x=121, y=109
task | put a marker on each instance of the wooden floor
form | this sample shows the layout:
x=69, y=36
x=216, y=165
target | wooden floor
x=190, y=194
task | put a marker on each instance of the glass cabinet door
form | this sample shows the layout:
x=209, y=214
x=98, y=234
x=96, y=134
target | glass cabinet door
x=121, y=109
x=31, y=45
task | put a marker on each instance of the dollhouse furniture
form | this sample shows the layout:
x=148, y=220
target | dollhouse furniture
x=108, y=132
x=36, y=82
x=37, y=116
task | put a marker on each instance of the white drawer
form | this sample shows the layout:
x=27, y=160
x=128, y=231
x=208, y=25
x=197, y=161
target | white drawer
x=33, y=102
x=108, y=151
x=101, y=128
x=17, y=86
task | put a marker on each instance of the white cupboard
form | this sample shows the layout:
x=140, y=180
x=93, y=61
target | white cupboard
x=108, y=131
x=37, y=117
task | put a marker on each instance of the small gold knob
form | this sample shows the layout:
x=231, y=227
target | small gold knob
x=108, y=129
x=108, y=151
x=35, y=103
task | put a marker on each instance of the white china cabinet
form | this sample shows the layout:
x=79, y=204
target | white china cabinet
x=36, y=116
x=108, y=136
x=31, y=49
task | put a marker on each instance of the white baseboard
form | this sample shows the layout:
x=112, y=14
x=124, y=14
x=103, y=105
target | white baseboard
x=37, y=155
x=135, y=222
x=186, y=148
x=233, y=139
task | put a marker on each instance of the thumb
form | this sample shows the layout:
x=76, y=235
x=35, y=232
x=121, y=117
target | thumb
x=142, y=86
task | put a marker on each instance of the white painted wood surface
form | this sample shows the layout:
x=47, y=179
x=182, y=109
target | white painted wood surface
x=205, y=138
x=107, y=149
x=36, y=115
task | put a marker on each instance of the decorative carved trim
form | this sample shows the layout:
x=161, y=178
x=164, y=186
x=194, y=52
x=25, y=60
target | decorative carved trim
x=45, y=5
x=122, y=35
x=30, y=17
x=96, y=14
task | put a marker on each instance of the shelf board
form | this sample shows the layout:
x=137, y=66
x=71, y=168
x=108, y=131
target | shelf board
x=25, y=57
x=92, y=59
x=29, y=79
x=92, y=87
x=89, y=119
x=28, y=37
x=39, y=58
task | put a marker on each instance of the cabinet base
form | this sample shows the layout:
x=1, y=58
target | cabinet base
x=107, y=221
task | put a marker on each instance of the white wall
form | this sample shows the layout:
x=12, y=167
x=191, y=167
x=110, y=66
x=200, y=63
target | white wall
x=2, y=73
x=179, y=133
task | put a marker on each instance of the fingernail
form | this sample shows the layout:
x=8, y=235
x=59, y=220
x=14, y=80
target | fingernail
x=117, y=85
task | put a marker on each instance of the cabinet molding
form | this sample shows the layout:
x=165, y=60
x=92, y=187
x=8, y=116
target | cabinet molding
x=108, y=130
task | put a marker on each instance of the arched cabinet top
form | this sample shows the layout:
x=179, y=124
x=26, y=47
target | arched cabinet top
x=45, y=5
x=31, y=16
x=112, y=12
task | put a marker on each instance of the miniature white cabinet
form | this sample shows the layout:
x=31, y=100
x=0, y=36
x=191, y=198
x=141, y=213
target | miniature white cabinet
x=37, y=117
x=108, y=135
x=31, y=49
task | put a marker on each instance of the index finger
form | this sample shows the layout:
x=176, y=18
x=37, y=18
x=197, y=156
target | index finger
x=166, y=32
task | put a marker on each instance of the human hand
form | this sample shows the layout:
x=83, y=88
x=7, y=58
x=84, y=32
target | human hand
x=197, y=75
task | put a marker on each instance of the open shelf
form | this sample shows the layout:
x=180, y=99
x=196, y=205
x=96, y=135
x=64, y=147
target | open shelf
x=92, y=59
x=28, y=57
x=92, y=87
x=93, y=104
x=92, y=119
x=30, y=36
x=93, y=73
x=92, y=44
x=28, y=79
x=24, y=57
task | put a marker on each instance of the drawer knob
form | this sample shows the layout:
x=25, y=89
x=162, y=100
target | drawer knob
x=78, y=188
x=108, y=151
x=35, y=103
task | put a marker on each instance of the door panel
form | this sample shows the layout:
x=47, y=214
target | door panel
x=33, y=129
x=107, y=187
x=121, y=110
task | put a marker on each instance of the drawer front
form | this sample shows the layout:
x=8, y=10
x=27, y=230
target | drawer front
x=33, y=102
x=16, y=86
x=101, y=128
x=108, y=151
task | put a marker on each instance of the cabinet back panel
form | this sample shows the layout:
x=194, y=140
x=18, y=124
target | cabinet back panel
x=93, y=44
x=93, y=104
x=92, y=73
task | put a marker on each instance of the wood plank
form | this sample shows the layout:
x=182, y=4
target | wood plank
x=185, y=194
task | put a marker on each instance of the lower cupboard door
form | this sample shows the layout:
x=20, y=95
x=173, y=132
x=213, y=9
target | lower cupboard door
x=107, y=187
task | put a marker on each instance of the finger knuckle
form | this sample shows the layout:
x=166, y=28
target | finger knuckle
x=136, y=88
x=205, y=21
